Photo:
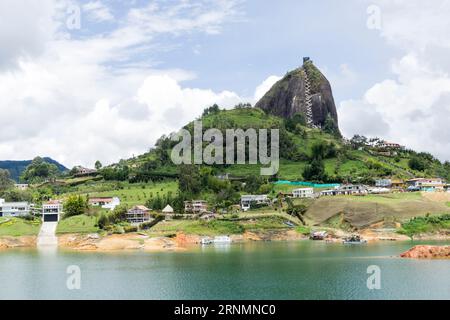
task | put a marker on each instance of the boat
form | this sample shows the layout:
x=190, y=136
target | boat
x=354, y=239
x=206, y=241
x=222, y=240
x=289, y=224
x=318, y=235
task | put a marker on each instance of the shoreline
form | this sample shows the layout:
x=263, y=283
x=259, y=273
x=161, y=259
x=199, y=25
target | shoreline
x=181, y=242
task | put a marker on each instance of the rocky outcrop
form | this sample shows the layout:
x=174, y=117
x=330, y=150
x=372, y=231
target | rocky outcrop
x=427, y=252
x=305, y=91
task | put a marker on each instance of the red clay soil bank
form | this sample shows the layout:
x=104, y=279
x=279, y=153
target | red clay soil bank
x=427, y=252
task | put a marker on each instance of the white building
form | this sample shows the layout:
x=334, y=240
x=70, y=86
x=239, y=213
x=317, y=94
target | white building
x=383, y=183
x=109, y=203
x=138, y=214
x=348, y=189
x=427, y=184
x=247, y=200
x=21, y=186
x=195, y=206
x=14, y=209
x=303, y=193
x=52, y=211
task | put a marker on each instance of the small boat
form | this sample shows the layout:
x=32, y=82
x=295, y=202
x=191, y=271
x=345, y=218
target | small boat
x=318, y=235
x=354, y=239
x=289, y=224
x=206, y=241
x=222, y=239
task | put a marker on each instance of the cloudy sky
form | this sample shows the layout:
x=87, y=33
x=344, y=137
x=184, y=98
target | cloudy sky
x=103, y=79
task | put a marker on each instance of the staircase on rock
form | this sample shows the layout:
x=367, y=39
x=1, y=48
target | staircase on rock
x=308, y=101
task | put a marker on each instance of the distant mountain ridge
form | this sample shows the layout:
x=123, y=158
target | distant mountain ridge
x=16, y=167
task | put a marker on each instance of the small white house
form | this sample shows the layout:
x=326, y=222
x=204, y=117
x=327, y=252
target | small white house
x=52, y=211
x=303, y=193
x=105, y=202
x=247, y=200
x=14, y=209
x=21, y=186
x=168, y=209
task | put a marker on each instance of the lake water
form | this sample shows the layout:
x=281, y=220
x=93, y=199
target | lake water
x=274, y=270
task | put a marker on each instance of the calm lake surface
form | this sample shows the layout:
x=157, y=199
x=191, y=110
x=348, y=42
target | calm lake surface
x=274, y=270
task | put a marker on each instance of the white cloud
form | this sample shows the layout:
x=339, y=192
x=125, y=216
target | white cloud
x=25, y=27
x=98, y=11
x=413, y=107
x=410, y=109
x=265, y=86
x=82, y=99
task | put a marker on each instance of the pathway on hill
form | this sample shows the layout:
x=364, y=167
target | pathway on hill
x=47, y=235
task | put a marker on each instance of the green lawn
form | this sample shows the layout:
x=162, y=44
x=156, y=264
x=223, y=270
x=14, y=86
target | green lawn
x=78, y=224
x=16, y=227
x=245, y=222
x=196, y=227
x=129, y=194
x=429, y=224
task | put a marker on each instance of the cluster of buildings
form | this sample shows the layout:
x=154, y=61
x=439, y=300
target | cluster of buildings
x=417, y=184
x=51, y=211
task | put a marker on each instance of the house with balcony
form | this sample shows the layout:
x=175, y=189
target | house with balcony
x=52, y=211
x=345, y=190
x=138, y=214
x=248, y=200
x=426, y=184
x=196, y=206
x=14, y=209
x=303, y=193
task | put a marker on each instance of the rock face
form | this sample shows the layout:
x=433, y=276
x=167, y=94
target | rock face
x=427, y=252
x=305, y=91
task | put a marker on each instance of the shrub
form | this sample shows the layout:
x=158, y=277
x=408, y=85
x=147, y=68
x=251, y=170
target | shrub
x=129, y=229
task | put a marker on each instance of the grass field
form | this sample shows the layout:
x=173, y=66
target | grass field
x=361, y=212
x=129, y=194
x=248, y=222
x=78, y=224
x=16, y=227
x=424, y=225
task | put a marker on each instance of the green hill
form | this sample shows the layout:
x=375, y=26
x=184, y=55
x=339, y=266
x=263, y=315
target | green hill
x=16, y=168
x=343, y=162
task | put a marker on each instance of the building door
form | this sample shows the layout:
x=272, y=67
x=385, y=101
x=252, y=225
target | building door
x=51, y=218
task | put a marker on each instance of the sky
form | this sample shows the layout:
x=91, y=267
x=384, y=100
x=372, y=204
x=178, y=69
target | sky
x=82, y=81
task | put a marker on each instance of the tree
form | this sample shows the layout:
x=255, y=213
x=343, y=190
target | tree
x=315, y=171
x=5, y=180
x=74, y=206
x=15, y=195
x=214, y=109
x=98, y=165
x=291, y=123
x=189, y=179
x=330, y=126
x=417, y=163
x=39, y=170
